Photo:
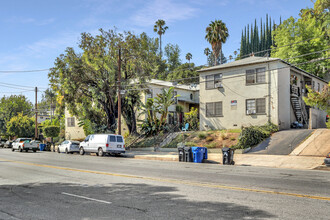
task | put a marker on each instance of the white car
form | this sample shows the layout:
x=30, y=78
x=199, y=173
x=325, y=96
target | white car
x=68, y=146
x=25, y=144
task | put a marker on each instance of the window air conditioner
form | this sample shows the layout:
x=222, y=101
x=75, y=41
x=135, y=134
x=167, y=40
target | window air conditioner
x=218, y=85
x=250, y=111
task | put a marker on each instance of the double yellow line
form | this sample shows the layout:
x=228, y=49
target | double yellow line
x=189, y=183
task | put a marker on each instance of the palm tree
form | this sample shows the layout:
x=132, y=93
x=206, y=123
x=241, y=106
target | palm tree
x=207, y=52
x=188, y=57
x=216, y=35
x=230, y=57
x=163, y=101
x=160, y=29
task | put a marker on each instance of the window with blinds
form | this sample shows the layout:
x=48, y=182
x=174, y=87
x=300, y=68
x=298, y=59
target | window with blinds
x=256, y=106
x=254, y=76
x=214, y=109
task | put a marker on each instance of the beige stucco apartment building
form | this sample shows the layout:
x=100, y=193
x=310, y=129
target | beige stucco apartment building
x=188, y=97
x=72, y=130
x=254, y=91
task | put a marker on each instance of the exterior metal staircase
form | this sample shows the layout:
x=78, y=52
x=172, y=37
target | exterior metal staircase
x=298, y=106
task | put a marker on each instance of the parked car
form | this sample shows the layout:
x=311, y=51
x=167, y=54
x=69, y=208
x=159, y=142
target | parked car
x=327, y=160
x=26, y=144
x=2, y=142
x=8, y=144
x=68, y=147
x=103, y=144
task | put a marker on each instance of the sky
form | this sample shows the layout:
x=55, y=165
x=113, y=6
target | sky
x=35, y=32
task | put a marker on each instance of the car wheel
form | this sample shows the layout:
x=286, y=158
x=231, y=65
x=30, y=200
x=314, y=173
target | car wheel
x=66, y=150
x=27, y=150
x=12, y=149
x=81, y=151
x=34, y=150
x=20, y=149
x=100, y=152
x=58, y=150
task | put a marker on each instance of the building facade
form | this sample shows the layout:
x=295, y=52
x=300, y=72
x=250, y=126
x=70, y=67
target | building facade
x=254, y=91
x=188, y=97
x=72, y=130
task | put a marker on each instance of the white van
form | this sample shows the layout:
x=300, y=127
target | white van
x=102, y=144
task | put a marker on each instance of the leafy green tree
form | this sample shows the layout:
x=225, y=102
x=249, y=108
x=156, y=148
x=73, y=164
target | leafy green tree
x=309, y=34
x=187, y=73
x=11, y=106
x=320, y=100
x=20, y=126
x=221, y=59
x=156, y=111
x=160, y=29
x=87, y=80
x=172, y=52
x=216, y=35
x=188, y=57
x=51, y=131
x=192, y=118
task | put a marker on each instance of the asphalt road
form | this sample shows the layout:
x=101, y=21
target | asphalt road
x=47, y=185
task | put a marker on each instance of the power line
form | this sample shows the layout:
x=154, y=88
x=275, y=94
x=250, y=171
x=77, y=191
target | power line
x=195, y=77
x=24, y=71
x=229, y=77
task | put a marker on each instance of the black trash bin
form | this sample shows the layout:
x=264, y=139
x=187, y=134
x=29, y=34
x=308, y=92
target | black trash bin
x=188, y=157
x=227, y=156
x=181, y=153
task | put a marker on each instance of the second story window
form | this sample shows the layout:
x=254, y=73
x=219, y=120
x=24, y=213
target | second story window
x=71, y=122
x=254, y=76
x=213, y=81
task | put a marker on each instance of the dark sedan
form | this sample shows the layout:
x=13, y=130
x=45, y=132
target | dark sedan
x=327, y=160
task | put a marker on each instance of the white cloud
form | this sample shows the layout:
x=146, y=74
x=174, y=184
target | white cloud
x=163, y=9
x=21, y=20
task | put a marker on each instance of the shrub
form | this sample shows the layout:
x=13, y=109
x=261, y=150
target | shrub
x=190, y=144
x=209, y=138
x=224, y=136
x=202, y=136
x=253, y=135
x=211, y=145
x=52, y=131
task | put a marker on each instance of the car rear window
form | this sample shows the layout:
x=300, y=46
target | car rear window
x=119, y=139
x=112, y=138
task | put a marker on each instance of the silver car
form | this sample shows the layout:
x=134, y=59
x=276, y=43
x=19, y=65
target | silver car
x=327, y=160
x=68, y=146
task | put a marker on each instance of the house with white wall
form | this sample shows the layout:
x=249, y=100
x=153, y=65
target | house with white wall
x=188, y=97
x=254, y=91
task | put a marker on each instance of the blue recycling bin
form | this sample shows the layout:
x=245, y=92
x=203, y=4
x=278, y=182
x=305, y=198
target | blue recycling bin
x=42, y=147
x=198, y=154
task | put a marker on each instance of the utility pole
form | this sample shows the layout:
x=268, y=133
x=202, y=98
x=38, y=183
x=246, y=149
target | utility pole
x=119, y=96
x=36, y=110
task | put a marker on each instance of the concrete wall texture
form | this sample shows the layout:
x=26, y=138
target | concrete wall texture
x=275, y=90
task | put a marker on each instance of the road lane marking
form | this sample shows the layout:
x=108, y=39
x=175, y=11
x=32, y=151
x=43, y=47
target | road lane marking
x=87, y=198
x=189, y=183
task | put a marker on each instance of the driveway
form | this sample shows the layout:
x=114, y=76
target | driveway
x=282, y=142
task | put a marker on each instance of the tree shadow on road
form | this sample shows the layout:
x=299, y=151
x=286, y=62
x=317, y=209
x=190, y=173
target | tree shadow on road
x=128, y=201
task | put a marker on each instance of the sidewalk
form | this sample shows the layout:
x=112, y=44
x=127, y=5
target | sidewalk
x=276, y=161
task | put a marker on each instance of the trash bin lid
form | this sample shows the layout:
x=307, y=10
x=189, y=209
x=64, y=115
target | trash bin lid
x=196, y=148
x=225, y=149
